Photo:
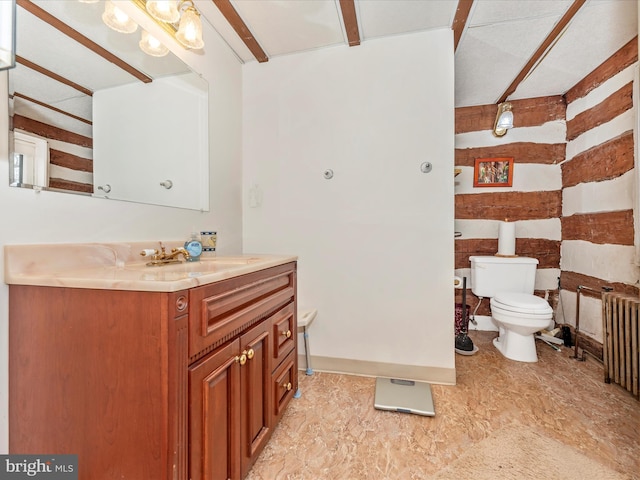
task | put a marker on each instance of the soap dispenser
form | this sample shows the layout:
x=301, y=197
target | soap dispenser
x=194, y=247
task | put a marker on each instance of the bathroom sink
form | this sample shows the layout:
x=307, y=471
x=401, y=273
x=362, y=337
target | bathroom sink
x=229, y=260
x=206, y=265
x=209, y=265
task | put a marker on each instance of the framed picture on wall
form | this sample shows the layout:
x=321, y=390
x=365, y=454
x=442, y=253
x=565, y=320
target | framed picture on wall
x=493, y=172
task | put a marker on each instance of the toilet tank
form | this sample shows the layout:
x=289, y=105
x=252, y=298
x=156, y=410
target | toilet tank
x=491, y=275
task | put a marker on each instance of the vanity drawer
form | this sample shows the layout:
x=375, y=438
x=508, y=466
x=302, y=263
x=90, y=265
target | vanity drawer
x=284, y=386
x=284, y=333
x=222, y=310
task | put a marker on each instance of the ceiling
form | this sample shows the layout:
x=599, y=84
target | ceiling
x=503, y=48
x=499, y=40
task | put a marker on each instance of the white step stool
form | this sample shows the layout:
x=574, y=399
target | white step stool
x=305, y=318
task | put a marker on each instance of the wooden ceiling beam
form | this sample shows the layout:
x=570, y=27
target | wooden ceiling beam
x=460, y=21
x=81, y=39
x=51, y=107
x=350, y=20
x=544, y=48
x=53, y=75
x=241, y=29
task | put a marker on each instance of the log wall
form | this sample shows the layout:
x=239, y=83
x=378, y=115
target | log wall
x=534, y=201
x=573, y=196
x=599, y=192
x=70, y=148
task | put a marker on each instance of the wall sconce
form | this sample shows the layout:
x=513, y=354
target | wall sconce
x=180, y=19
x=7, y=35
x=504, y=119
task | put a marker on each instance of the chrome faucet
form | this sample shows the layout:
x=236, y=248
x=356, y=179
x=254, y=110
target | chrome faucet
x=161, y=257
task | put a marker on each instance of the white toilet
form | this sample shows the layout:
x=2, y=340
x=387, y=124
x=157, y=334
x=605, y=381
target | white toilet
x=509, y=282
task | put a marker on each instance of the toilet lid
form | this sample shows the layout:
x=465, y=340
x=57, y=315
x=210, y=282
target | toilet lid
x=522, y=303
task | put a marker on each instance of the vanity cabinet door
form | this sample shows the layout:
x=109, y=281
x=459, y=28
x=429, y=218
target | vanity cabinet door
x=255, y=377
x=230, y=406
x=214, y=415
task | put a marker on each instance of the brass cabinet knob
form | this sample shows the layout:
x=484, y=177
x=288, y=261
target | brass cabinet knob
x=246, y=355
x=286, y=334
x=287, y=386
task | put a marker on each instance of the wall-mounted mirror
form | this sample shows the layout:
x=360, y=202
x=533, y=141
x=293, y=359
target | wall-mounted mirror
x=7, y=34
x=90, y=113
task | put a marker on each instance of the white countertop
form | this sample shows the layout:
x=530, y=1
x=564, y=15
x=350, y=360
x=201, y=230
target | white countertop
x=119, y=266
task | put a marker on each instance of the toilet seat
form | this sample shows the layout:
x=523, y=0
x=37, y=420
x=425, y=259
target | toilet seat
x=522, y=303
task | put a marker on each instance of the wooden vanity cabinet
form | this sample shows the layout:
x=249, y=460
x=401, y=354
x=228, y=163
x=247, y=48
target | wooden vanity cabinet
x=237, y=374
x=101, y=374
x=115, y=376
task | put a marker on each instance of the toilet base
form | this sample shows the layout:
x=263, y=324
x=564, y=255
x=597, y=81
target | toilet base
x=521, y=348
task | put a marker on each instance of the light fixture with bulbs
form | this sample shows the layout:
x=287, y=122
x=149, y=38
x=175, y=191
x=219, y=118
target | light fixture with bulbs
x=504, y=119
x=179, y=18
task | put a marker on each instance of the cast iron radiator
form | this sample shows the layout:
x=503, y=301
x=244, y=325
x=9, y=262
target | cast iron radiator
x=621, y=339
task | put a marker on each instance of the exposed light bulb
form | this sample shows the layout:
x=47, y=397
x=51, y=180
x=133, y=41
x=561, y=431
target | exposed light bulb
x=164, y=10
x=189, y=32
x=117, y=20
x=152, y=46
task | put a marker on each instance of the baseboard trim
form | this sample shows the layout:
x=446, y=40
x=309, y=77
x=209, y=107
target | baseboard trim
x=436, y=375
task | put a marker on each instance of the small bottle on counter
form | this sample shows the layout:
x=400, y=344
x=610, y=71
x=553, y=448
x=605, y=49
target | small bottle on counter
x=194, y=247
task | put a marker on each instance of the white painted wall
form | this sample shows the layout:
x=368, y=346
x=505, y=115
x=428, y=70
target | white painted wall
x=375, y=243
x=179, y=152
x=49, y=217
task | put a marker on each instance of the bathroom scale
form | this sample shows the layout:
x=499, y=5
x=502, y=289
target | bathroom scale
x=404, y=396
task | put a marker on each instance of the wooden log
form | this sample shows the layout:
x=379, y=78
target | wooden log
x=602, y=228
x=608, y=160
x=611, y=107
x=509, y=205
x=522, y=152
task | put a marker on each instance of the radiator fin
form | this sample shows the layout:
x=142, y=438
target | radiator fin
x=621, y=339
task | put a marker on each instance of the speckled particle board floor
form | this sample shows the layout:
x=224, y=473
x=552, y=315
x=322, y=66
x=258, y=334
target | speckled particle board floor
x=333, y=431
